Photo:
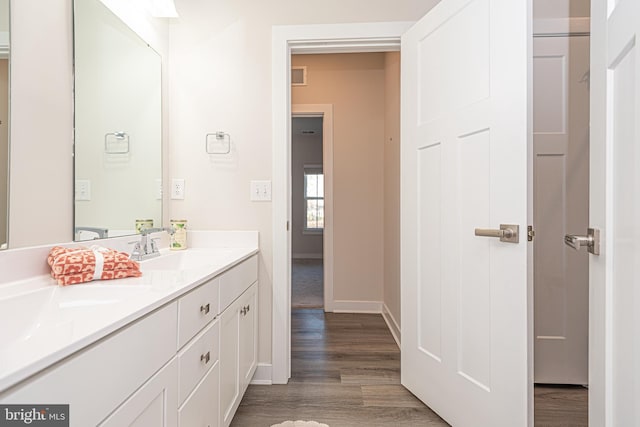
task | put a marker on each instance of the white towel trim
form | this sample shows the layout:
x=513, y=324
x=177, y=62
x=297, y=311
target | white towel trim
x=97, y=252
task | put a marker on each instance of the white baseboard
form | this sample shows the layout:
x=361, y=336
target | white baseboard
x=306, y=256
x=357, y=307
x=391, y=323
x=262, y=376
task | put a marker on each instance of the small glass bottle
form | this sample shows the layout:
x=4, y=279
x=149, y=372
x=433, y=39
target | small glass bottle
x=141, y=224
x=179, y=236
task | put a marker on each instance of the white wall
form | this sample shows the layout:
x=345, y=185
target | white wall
x=221, y=80
x=4, y=17
x=41, y=166
x=305, y=150
x=41, y=163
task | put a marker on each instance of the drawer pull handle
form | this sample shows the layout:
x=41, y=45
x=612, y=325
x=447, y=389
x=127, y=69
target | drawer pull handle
x=205, y=357
x=204, y=309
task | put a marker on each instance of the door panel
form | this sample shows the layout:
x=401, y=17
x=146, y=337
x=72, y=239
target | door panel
x=561, y=206
x=614, y=364
x=474, y=259
x=464, y=166
x=430, y=291
x=624, y=246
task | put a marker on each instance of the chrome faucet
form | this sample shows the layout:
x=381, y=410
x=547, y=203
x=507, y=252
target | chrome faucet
x=147, y=248
x=100, y=231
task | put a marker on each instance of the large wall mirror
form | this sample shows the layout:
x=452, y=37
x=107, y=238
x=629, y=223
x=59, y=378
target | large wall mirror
x=118, y=126
x=4, y=122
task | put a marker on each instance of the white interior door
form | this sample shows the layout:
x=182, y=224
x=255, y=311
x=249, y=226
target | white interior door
x=561, y=206
x=464, y=165
x=614, y=365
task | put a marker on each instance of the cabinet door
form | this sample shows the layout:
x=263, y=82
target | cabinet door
x=248, y=336
x=152, y=405
x=229, y=362
x=201, y=408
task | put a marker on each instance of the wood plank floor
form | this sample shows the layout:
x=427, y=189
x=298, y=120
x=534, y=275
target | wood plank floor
x=561, y=406
x=345, y=371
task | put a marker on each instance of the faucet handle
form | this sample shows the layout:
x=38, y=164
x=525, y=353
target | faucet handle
x=137, y=250
x=154, y=244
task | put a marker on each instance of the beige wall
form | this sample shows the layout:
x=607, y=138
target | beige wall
x=354, y=84
x=221, y=80
x=549, y=9
x=305, y=150
x=392, y=185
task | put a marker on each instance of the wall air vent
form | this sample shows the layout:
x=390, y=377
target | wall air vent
x=299, y=76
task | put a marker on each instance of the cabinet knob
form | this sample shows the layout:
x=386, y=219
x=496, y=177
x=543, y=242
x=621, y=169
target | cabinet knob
x=205, y=357
x=204, y=309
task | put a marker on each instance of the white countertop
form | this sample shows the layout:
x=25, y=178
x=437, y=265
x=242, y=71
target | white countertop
x=41, y=323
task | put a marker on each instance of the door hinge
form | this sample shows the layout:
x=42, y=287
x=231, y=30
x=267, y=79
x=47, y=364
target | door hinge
x=287, y=225
x=530, y=233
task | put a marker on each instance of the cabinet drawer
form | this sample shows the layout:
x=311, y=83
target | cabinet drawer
x=196, y=309
x=197, y=357
x=201, y=408
x=235, y=281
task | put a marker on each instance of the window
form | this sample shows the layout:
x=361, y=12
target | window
x=313, y=198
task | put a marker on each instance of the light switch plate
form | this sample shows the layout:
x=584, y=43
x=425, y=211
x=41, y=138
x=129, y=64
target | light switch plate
x=260, y=191
x=83, y=189
x=158, y=188
x=177, y=189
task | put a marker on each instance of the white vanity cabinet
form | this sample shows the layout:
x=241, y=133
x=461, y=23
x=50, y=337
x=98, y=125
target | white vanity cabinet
x=238, y=355
x=185, y=364
x=248, y=307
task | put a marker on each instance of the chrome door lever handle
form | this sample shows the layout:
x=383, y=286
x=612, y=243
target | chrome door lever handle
x=591, y=241
x=507, y=233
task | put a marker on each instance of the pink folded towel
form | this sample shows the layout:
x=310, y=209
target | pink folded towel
x=78, y=265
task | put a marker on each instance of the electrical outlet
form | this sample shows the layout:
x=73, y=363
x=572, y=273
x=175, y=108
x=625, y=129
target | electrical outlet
x=83, y=189
x=177, y=189
x=260, y=191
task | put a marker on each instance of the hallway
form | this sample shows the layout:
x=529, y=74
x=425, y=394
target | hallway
x=307, y=283
x=345, y=371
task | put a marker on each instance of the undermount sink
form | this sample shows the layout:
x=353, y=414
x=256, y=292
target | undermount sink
x=184, y=260
x=43, y=310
